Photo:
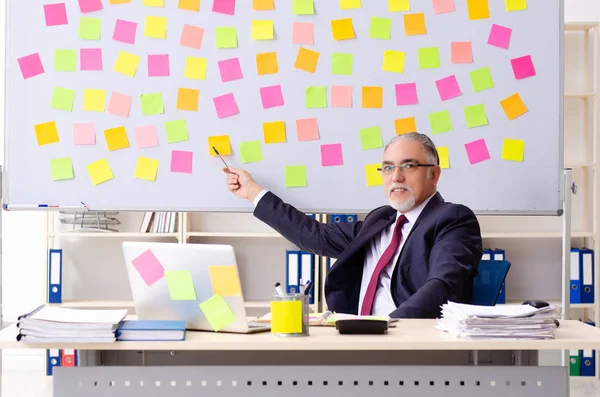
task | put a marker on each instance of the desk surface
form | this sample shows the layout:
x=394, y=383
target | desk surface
x=408, y=335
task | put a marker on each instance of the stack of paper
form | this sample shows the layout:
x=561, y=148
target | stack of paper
x=498, y=322
x=58, y=324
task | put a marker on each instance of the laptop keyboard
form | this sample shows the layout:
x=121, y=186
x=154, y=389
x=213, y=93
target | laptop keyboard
x=256, y=324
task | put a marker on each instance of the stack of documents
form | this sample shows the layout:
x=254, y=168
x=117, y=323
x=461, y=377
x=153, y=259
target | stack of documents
x=48, y=324
x=498, y=322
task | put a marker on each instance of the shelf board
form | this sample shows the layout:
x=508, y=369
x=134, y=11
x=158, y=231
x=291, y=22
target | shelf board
x=579, y=26
x=534, y=234
x=580, y=95
x=558, y=304
x=125, y=304
x=233, y=234
x=581, y=165
x=113, y=234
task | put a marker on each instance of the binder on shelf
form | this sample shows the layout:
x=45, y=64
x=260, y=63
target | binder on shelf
x=575, y=290
x=52, y=360
x=500, y=255
x=68, y=358
x=307, y=271
x=292, y=262
x=574, y=363
x=487, y=255
x=335, y=218
x=55, y=276
x=587, y=275
x=588, y=363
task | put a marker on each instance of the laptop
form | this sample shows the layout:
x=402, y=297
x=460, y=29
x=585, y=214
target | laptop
x=148, y=264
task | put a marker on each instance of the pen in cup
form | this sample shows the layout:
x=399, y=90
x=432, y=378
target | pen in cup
x=307, y=287
x=279, y=289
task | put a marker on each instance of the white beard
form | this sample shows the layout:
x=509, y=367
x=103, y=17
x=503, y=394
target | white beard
x=402, y=205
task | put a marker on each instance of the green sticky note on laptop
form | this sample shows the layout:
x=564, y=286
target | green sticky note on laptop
x=181, y=285
x=217, y=312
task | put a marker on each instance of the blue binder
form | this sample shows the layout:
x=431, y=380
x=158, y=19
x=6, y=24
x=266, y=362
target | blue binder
x=588, y=363
x=307, y=272
x=500, y=255
x=575, y=277
x=292, y=272
x=586, y=260
x=53, y=359
x=335, y=218
x=55, y=276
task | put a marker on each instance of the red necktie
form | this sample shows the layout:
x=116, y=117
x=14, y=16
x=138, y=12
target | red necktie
x=387, y=256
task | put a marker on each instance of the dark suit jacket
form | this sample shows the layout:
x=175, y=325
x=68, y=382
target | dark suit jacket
x=438, y=261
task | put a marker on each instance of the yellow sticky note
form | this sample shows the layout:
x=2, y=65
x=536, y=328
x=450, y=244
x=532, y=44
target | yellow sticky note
x=221, y=143
x=393, y=61
x=398, y=5
x=189, y=5
x=274, y=132
x=266, y=63
x=156, y=27
x=513, y=106
x=154, y=3
x=405, y=125
x=146, y=168
x=349, y=4
x=512, y=149
x=478, y=9
x=99, y=171
x=286, y=317
x=342, y=29
x=195, y=68
x=515, y=5
x=116, y=138
x=372, y=97
x=180, y=285
x=373, y=175
x=414, y=24
x=46, y=133
x=127, y=63
x=263, y=5
x=307, y=60
x=187, y=99
x=444, y=156
x=262, y=29
x=217, y=312
x=94, y=100
x=225, y=280
x=119, y=1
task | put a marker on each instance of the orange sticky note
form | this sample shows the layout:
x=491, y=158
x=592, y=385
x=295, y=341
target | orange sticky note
x=373, y=175
x=189, y=5
x=225, y=280
x=221, y=143
x=372, y=97
x=342, y=29
x=513, y=106
x=405, y=125
x=187, y=99
x=274, y=132
x=266, y=63
x=414, y=24
x=307, y=60
x=478, y=9
x=116, y=138
x=46, y=133
x=263, y=5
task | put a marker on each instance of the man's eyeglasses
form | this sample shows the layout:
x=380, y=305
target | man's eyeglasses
x=406, y=168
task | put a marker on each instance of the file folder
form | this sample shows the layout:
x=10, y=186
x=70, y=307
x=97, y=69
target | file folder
x=307, y=272
x=69, y=358
x=588, y=363
x=52, y=360
x=575, y=292
x=55, y=276
x=293, y=271
x=335, y=218
x=499, y=255
x=574, y=363
x=587, y=275
x=487, y=255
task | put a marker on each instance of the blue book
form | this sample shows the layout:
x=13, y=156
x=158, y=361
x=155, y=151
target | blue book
x=158, y=330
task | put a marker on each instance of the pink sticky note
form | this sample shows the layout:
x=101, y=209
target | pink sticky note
x=84, y=134
x=341, y=96
x=477, y=151
x=55, y=14
x=225, y=106
x=90, y=5
x=146, y=136
x=331, y=155
x=191, y=36
x=119, y=104
x=230, y=70
x=31, y=65
x=125, y=31
x=499, y=36
x=406, y=94
x=523, y=67
x=271, y=96
x=90, y=59
x=158, y=65
x=149, y=267
x=304, y=33
x=448, y=88
x=443, y=6
x=307, y=129
x=462, y=52
x=181, y=161
x=224, y=6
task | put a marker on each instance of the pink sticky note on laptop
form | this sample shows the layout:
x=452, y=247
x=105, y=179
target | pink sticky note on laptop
x=406, y=94
x=125, y=31
x=477, y=151
x=225, y=106
x=448, y=88
x=55, y=14
x=149, y=267
x=181, y=161
x=84, y=134
x=146, y=136
x=31, y=65
x=90, y=5
x=499, y=36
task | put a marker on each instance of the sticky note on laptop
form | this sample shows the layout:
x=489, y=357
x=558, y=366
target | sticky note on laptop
x=225, y=280
x=181, y=285
x=217, y=312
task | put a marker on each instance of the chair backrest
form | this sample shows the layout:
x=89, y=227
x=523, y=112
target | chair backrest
x=487, y=284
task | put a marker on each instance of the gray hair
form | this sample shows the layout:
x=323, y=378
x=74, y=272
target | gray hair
x=431, y=153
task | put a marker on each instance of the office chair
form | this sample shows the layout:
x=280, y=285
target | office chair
x=487, y=284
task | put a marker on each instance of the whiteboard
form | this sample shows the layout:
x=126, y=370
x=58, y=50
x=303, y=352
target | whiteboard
x=532, y=186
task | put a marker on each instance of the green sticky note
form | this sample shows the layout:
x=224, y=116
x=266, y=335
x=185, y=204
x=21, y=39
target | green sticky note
x=475, y=116
x=61, y=168
x=226, y=37
x=180, y=285
x=89, y=28
x=152, y=104
x=217, y=312
x=440, y=122
x=316, y=97
x=295, y=176
x=381, y=28
x=303, y=7
x=250, y=151
x=370, y=138
x=62, y=99
x=481, y=79
x=65, y=60
x=341, y=63
x=176, y=131
x=429, y=58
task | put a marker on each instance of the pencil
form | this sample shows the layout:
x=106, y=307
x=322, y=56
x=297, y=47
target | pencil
x=217, y=152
